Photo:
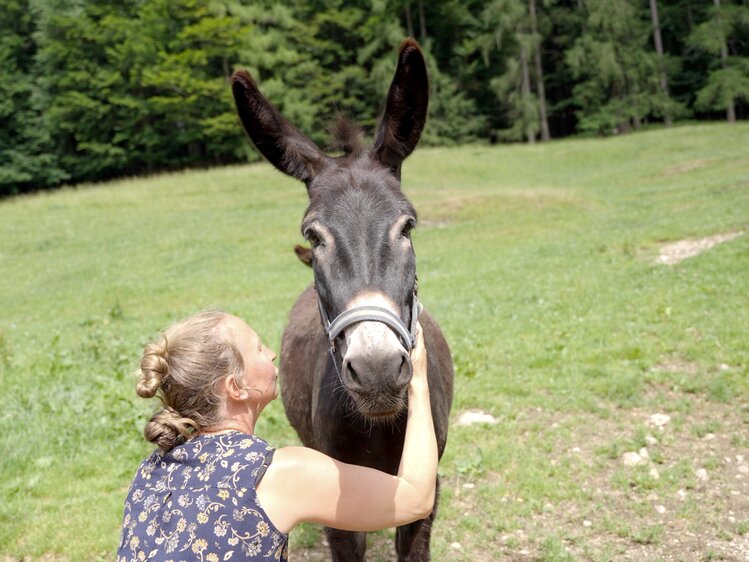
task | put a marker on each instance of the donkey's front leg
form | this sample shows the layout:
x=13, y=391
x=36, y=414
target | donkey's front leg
x=346, y=546
x=412, y=540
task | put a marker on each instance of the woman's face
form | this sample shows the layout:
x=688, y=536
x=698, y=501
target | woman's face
x=260, y=374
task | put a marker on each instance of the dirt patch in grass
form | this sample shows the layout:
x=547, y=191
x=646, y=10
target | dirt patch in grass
x=452, y=206
x=684, y=167
x=677, y=366
x=676, y=252
x=687, y=500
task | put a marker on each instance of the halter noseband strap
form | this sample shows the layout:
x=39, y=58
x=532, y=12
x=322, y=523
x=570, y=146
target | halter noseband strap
x=406, y=334
x=370, y=314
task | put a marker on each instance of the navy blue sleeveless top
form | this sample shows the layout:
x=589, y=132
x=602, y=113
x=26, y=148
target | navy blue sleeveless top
x=198, y=502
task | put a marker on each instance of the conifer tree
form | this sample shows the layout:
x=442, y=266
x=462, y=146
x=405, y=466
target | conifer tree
x=658, y=42
x=539, y=73
x=722, y=36
x=508, y=45
x=84, y=76
x=616, y=73
x=27, y=159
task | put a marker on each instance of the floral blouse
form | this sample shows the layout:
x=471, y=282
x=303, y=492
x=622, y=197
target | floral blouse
x=198, y=502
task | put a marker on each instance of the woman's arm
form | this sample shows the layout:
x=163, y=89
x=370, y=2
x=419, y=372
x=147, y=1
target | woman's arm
x=302, y=484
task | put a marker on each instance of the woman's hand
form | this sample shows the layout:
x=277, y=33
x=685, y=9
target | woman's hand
x=419, y=355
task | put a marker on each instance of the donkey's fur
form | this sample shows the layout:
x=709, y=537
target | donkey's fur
x=358, y=221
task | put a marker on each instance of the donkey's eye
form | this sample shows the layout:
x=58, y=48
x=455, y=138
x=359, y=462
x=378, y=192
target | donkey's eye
x=407, y=228
x=312, y=237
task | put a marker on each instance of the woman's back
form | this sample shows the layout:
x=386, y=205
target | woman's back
x=198, y=501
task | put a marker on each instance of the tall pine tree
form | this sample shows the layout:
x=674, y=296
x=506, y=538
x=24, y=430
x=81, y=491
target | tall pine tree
x=723, y=35
x=617, y=72
x=27, y=158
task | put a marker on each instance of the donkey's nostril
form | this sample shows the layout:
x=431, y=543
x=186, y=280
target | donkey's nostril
x=404, y=373
x=350, y=377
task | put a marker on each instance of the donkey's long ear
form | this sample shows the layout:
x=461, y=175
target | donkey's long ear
x=405, y=110
x=278, y=140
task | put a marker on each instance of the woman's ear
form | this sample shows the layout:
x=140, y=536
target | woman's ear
x=233, y=388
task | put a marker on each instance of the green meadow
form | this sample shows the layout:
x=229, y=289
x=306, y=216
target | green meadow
x=540, y=263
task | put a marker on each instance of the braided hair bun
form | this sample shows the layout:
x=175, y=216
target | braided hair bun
x=168, y=428
x=154, y=367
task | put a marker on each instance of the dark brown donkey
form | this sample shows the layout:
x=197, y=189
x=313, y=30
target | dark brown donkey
x=345, y=365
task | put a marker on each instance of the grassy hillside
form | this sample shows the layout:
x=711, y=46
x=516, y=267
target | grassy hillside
x=539, y=262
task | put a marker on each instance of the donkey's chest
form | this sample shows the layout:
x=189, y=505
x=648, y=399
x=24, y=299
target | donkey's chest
x=348, y=438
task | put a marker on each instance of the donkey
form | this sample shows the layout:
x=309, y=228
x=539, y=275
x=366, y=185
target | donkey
x=344, y=382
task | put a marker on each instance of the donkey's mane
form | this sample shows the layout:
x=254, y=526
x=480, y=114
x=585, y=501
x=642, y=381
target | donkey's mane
x=346, y=136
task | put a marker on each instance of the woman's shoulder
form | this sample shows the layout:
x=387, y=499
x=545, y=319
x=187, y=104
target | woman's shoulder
x=209, y=447
x=244, y=440
x=218, y=446
x=204, y=461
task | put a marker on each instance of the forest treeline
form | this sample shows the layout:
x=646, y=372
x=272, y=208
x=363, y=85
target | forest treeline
x=96, y=89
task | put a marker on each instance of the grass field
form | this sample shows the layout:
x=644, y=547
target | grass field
x=538, y=261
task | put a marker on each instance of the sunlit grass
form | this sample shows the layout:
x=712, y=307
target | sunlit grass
x=537, y=261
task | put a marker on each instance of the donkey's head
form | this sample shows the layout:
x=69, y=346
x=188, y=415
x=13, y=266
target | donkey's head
x=358, y=223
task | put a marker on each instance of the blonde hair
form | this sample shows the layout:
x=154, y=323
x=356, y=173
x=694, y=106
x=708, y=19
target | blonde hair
x=183, y=367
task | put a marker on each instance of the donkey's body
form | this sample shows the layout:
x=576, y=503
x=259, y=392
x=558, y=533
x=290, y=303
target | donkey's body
x=351, y=403
x=319, y=410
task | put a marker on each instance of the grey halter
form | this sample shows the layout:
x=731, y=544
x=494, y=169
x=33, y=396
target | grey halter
x=407, y=335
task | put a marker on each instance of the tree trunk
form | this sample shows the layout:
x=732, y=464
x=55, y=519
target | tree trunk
x=541, y=90
x=526, y=93
x=409, y=21
x=659, y=51
x=731, y=110
x=422, y=21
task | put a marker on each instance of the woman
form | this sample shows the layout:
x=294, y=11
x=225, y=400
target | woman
x=215, y=491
